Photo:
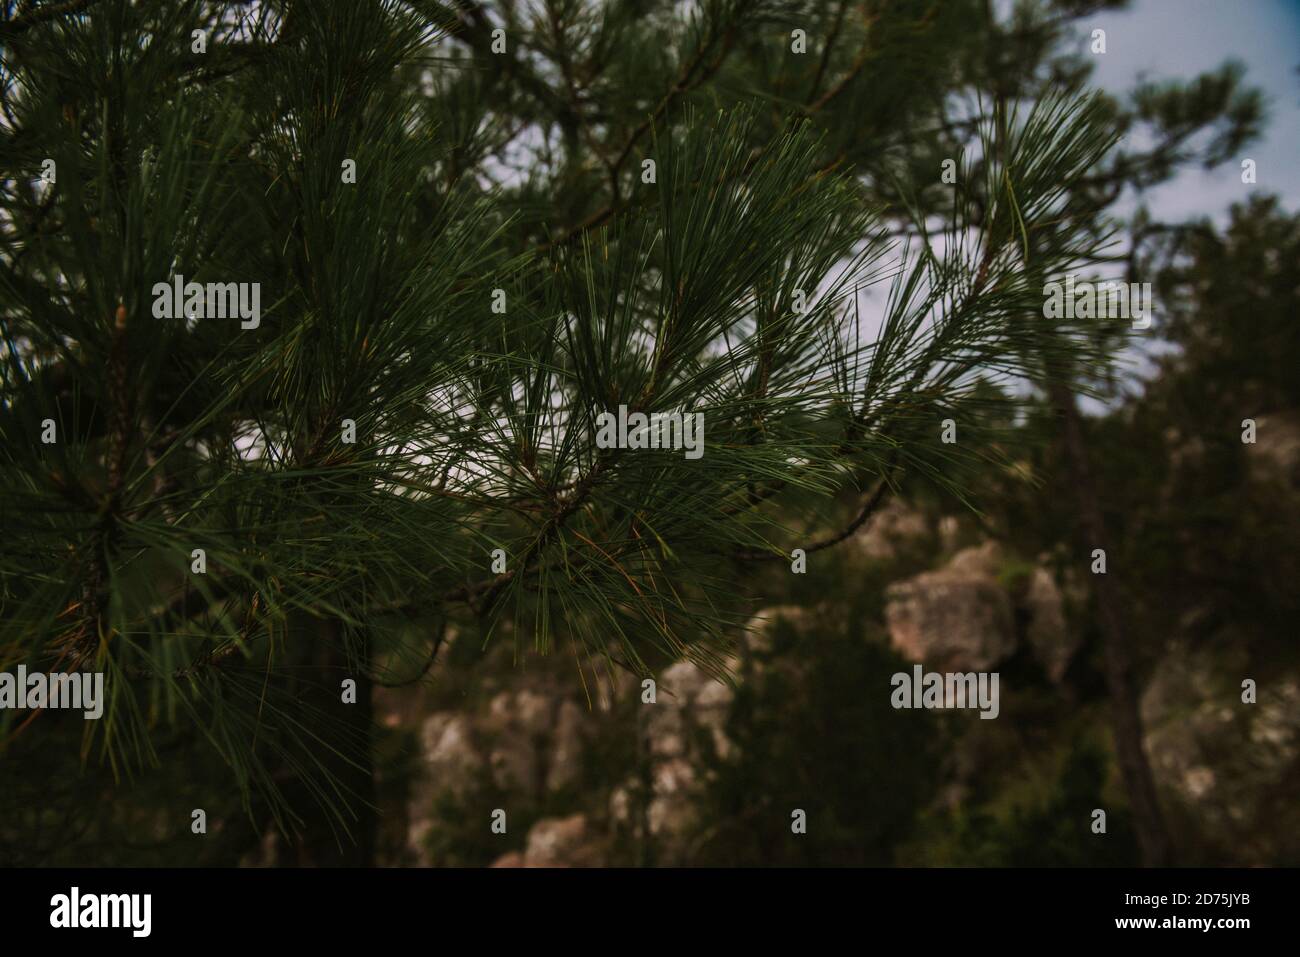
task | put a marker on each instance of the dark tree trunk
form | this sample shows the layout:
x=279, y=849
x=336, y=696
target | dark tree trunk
x=1153, y=839
x=320, y=840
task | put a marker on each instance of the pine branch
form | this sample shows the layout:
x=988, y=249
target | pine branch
x=869, y=507
x=42, y=14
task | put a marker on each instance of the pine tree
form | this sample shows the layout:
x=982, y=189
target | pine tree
x=461, y=235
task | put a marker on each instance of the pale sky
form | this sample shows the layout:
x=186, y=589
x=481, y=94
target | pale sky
x=1166, y=39
x=1169, y=39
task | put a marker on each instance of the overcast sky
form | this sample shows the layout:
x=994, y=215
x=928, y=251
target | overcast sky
x=1164, y=39
x=1168, y=39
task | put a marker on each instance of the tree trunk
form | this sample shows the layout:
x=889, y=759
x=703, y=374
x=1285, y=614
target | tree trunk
x=1153, y=839
x=320, y=840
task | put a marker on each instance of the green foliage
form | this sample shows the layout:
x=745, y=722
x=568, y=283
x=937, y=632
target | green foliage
x=1052, y=829
x=799, y=726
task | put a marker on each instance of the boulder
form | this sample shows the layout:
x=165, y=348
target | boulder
x=688, y=698
x=530, y=741
x=670, y=814
x=451, y=759
x=956, y=618
x=1229, y=764
x=523, y=726
x=452, y=763
x=563, y=842
x=672, y=811
x=564, y=764
x=760, y=631
x=1275, y=454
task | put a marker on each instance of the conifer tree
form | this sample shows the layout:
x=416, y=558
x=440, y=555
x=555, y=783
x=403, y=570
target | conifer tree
x=311, y=312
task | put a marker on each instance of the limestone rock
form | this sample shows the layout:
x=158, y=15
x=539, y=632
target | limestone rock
x=689, y=698
x=530, y=740
x=451, y=759
x=564, y=766
x=563, y=842
x=1275, y=455
x=956, y=618
x=671, y=812
x=760, y=631
x=520, y=724
x=1229, y=763
x=452, y=763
